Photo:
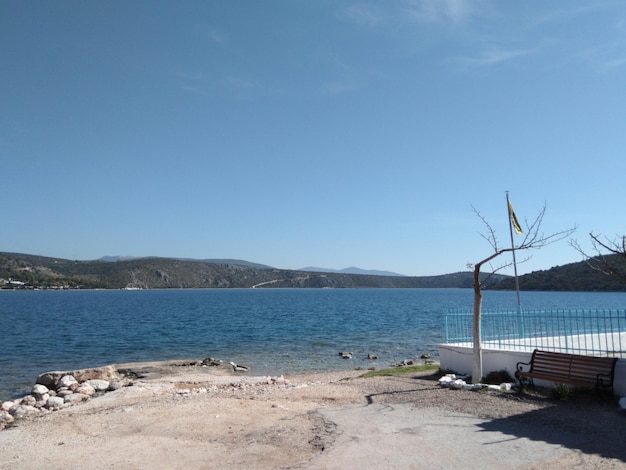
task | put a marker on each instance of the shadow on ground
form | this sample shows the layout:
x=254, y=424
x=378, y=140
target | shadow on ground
x=585, y=422
x=601, y=425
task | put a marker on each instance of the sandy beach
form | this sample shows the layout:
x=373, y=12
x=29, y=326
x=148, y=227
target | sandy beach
x=213, y=418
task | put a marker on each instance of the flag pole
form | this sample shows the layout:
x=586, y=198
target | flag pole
x=511, y=215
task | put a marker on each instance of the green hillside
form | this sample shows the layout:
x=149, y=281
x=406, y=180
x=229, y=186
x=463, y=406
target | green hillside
x=30, y=271
x=570, y=277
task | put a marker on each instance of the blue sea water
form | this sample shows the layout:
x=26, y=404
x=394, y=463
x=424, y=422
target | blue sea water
x=274, y=331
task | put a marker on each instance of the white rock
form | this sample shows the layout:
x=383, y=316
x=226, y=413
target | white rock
x=115, y=385
x=19, y=411
x=6, y=406
x=75, y=398
x=28, y=400
x=42, y=400
x=67, y=381
x=98, y=385
x=38, y=390
x=494, y=387
x=54, y=403
x=5, y=418
x=85, y=389
x=445, y=380
x=505, y=386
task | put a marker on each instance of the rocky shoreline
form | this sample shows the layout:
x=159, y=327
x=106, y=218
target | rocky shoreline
x=56, y=390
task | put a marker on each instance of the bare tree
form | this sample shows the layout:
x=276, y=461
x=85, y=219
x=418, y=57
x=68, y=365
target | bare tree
x=606, y=263
x=533, y=239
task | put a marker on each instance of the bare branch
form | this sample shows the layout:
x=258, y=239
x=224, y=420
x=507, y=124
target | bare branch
x=494, y=270
x=534, y=239
x=610, y=245
x=600, y=262
x=491, y=237
x=532, y=229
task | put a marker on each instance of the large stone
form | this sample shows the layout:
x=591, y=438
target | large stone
x=99, y=385
x=6, y=406
x=19, y=411
x=85, y=389
x=28, y=400
x=5, y=419
x=39, y=390
x=42, y=400
x=66, y=382
x=55, y=403
x=75, y=398
x=99, y=373
x=116, y=384
x=51, y=379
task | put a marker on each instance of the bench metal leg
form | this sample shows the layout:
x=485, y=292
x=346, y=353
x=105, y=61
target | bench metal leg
x=525, y=382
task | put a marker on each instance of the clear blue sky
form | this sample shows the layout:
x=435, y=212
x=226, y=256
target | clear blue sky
x=299, y=133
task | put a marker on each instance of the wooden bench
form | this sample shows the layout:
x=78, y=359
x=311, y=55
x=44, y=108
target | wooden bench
x=573, y=369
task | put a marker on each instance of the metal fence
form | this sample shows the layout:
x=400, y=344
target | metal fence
x=591, y=332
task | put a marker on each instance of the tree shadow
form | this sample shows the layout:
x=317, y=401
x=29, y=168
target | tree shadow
x=593, y=429
x=396, y=393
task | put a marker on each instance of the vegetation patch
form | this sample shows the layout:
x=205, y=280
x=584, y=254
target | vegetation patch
x=560, y=392
x=402, y=371
x=497, y=377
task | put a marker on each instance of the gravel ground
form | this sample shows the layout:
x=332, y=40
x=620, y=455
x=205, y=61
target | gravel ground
x=203, y=420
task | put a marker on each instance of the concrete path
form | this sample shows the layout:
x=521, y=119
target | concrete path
x=404, y=437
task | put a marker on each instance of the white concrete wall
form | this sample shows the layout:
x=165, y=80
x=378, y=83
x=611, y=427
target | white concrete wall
x=460, y=359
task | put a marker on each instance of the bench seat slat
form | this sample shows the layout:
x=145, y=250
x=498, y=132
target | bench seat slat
x=562, y=379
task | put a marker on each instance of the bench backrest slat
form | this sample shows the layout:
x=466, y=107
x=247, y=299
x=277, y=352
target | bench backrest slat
x=580, y=368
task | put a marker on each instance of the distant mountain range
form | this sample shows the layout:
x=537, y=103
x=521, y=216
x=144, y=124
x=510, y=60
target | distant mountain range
x=31, y=271
x=239, y=262
x=351, y=270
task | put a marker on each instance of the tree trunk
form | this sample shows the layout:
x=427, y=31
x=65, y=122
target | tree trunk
x=477, y=368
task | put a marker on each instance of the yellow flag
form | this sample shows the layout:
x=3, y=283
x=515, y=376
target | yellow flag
x=516, y=226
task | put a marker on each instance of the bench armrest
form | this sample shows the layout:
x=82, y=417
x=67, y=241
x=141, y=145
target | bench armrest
x=518, y=366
